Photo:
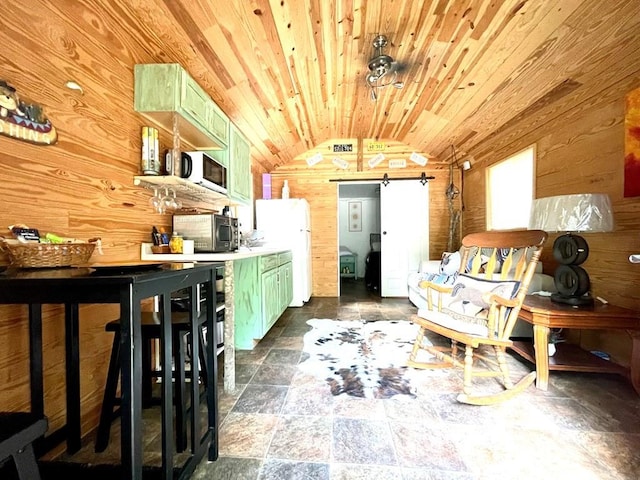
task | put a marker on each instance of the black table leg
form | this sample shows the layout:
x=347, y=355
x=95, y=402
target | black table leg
x=166, y=357
x=72, y=365
x=131, y=386
x=35, y=355
x=212, y=367
x=194, y=327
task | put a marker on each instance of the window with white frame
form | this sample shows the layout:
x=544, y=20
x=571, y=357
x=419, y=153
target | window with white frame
x=510, y=189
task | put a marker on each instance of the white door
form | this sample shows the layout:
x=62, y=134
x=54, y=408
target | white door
x=404, y=225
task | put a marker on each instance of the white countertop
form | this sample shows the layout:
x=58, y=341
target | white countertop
x=147, y=254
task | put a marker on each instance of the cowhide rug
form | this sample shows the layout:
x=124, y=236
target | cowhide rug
x=361, y=359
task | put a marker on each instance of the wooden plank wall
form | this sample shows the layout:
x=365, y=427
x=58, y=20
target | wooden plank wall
x=315, y=184
x=81, y=187
x=580, y=149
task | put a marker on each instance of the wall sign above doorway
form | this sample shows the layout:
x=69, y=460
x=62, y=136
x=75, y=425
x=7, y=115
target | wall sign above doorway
x=342, y=147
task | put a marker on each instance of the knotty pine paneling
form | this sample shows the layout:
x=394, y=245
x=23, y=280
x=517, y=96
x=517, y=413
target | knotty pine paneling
x=82, y=186
x=580, y=149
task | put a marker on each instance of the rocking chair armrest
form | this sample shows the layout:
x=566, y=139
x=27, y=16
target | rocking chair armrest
x=425, y=285
x=491, y=298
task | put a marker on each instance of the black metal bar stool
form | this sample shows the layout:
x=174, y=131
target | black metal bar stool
x=18, y=430
x=151, y=328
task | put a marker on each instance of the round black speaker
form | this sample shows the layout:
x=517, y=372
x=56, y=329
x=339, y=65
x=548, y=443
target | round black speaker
x=571, y=280
x=570, y=249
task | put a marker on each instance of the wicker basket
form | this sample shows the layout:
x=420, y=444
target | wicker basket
x=47, y=255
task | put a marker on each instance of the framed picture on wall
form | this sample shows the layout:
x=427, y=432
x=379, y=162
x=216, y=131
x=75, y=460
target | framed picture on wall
x=355, y=216
x=632, y=145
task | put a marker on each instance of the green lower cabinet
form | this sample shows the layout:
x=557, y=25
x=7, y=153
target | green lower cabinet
x=277, y=287
x=247, y=294
x=277, y=293
x=263, y=289
x=286, y=284
x=270, y=299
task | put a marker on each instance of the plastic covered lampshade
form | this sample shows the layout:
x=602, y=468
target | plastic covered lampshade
x=589, y=212
x=585, y=212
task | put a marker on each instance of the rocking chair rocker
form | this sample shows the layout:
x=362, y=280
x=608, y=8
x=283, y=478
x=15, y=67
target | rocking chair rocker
x=479, y=309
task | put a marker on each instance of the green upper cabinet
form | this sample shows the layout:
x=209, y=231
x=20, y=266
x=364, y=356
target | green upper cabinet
x=221, y=156
x=163, y=90
x=240, y=183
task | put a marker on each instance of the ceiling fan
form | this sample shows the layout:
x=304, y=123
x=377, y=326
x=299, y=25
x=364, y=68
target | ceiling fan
x=383, y=69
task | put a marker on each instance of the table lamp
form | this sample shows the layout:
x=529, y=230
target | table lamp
x=588, y=212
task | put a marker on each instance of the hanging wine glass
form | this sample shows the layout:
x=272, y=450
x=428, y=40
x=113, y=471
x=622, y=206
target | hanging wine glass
x=175, y=203
x=166, y=202
x=155, y=200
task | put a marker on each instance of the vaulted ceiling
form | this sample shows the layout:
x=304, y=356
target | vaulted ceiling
x=291, y=74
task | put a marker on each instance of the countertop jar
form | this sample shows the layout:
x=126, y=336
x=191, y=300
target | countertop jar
x=176, y=244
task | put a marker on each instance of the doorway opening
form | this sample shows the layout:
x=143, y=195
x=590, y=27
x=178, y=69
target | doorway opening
x=383, y=234
x=358, y=219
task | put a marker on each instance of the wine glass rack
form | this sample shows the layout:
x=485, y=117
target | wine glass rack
x=183, y=188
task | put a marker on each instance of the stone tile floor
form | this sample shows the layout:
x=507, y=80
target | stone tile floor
x=281, y=424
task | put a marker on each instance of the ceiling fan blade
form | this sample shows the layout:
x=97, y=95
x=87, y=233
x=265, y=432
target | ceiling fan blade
x=398, y=66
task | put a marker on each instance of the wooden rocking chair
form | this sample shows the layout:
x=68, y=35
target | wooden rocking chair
x=479, y=309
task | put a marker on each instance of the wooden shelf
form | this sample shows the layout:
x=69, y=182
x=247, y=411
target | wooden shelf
x=571, y=358
x=183, y=188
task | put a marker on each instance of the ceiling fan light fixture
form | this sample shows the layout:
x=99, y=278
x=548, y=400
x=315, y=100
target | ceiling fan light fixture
x=312, y=160
x=382, y=68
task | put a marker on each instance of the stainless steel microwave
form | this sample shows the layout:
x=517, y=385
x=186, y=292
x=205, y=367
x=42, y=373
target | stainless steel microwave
x=210, y=232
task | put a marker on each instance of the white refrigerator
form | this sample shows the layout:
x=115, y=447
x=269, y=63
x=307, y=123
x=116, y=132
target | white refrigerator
x=286, y=223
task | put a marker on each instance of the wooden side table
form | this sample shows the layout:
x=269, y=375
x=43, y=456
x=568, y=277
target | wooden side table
x=544, y=314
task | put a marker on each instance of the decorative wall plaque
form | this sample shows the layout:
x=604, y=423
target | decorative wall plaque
x=376, y=146
x=22, y=120
x=343, y=147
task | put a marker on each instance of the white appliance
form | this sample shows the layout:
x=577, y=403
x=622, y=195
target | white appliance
x=286, y=223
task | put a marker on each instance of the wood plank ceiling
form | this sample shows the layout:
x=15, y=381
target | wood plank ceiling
x=291, y=73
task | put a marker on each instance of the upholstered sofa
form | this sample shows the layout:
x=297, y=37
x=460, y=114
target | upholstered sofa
x=444, y=270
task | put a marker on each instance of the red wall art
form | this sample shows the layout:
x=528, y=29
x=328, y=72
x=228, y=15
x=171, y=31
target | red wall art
x=632, y=145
